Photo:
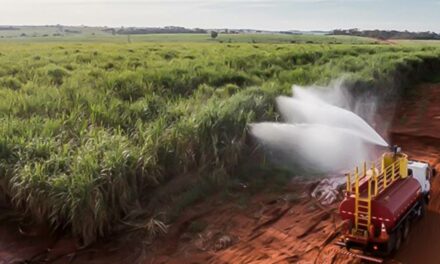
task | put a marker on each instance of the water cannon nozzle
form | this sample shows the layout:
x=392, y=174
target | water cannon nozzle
x=396, y=149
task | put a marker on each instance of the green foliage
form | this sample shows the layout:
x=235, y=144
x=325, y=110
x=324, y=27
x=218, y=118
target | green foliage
x=10, y=82
x=127, y=85
x=88, y=132
x=56, y=74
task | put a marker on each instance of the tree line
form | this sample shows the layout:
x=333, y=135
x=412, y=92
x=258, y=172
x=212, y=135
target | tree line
x=387, y=34
x=155, y=30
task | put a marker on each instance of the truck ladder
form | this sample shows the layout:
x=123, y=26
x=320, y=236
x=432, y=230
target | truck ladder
x=362, y=207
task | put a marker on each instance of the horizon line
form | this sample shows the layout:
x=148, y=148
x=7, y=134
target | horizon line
x=210, y=28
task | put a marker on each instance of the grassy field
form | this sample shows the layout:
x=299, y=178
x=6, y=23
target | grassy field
x=89, y=131
x=417, y=42
x=90, y=34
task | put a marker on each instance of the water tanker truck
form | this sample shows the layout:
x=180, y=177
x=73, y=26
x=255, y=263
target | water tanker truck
x=381, y=201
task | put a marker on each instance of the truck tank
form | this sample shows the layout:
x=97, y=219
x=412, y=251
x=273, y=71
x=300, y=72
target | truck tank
x=389, y=206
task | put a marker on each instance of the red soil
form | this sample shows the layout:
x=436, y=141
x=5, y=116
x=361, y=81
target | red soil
x=286, y=226
x=417, y=129
x=38, y=245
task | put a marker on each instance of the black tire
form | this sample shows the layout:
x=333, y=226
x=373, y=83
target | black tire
x=399, y=239
x=419, y=211
x=422, y=210
x=390, y=244
x=406, y=229
x=427, y=198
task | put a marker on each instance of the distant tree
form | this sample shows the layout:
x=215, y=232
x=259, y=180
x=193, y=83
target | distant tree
x=60, y=28
x=158, y=30
x=72, y=31
x=387, y=34
x=214, y=34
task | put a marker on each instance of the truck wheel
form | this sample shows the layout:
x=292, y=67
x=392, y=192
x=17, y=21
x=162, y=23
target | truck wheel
x=406, y=228
x=419, y=210
x=398, y=242
x=391, y=244
x=427, y=198
x=422, y=210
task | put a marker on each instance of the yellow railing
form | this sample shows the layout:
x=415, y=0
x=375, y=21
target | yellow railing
x=356, y=175
x=389, y=172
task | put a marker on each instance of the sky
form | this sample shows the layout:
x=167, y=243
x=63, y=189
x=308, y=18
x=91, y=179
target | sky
x=413, y=15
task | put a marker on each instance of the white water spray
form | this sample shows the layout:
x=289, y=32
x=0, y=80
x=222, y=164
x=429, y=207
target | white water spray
x=298, y=111
x=319, y=136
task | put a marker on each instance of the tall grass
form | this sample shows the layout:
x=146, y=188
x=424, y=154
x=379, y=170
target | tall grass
x=88, y=132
